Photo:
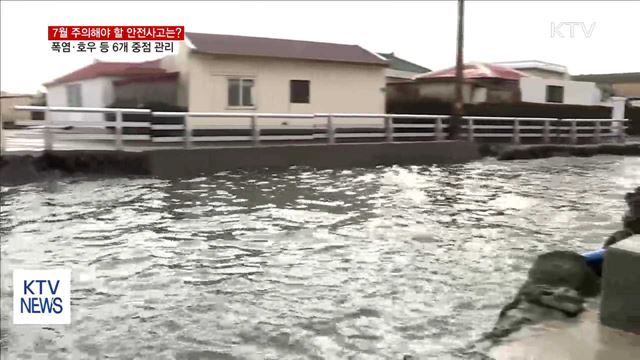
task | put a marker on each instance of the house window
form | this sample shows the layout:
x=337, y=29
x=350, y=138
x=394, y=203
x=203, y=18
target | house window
x=74, y=95
x=240, y=92
x=299, y=90
x=555, y=94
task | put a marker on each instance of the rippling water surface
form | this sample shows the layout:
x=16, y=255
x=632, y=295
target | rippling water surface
x=334, y=264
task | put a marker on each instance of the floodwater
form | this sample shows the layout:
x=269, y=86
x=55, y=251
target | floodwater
x=335, y=264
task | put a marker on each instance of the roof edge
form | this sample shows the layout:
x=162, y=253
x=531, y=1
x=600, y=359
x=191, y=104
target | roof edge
x=385, y=64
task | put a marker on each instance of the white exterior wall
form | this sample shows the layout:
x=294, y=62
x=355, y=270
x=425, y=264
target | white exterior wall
x=575, y=92
x=96, y=92
x=393, y=73
x=334, y=87
x=179, y=62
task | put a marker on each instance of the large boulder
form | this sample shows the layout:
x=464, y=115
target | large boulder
x=557, y=287
x=564, y=269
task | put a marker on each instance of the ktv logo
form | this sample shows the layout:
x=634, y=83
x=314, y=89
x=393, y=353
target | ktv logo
x=42, y=297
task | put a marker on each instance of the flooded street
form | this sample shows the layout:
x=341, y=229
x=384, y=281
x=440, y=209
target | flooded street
x=333, y=264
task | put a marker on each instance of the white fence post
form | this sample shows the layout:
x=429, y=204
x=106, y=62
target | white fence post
x=118, y=129
x=516, y=131
x=255, y=130
x=621, y=131
x=48, y=134
x=388, y=129
x=617, y=113
x=546, y=132
x=596, y=132
x=573, y=133
x=188, y=133
x=439, y=133
x=3, y=145
x=331, y=132
x=470, y=130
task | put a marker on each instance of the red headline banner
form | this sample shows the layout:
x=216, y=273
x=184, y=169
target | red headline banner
x=116, y=33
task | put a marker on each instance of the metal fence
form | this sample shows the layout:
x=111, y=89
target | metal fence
x=195, y=129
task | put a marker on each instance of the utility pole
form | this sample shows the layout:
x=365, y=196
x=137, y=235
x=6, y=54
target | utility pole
x=458, y=103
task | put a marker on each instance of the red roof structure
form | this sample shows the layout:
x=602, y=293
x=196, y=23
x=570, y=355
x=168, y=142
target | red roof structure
x=476, y=71
x=281, y=48
x=101, y=68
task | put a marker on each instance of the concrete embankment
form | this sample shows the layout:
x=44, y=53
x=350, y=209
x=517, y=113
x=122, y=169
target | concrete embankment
x=179, y=163
x=27, y=168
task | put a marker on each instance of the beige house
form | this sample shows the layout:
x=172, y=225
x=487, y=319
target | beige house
x=7, y=102
x=224, y=73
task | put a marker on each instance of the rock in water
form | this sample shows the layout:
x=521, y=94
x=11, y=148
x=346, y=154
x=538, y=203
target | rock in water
x=556, y=288
x=617, y=236
x=564, y=269
x=630, y=220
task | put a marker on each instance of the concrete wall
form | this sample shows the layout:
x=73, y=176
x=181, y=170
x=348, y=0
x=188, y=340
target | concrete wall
x=22, y=169
x=575, y=92
x=192, y=163
x=180, y=63
x=96, y=92
x=620, y=305
x=444, y=91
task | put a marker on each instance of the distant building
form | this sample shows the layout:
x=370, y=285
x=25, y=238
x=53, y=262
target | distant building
x=95, y=86
x=7, y=101
x=551, y=83
x=400, y=69
x=506, y=82
x=483, y=83
x=618, y=84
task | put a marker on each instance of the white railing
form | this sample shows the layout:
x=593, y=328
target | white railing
x=564, y=128
x=226, y=129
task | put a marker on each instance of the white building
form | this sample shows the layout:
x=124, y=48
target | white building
x=93, y=86
x=551, y=83
x=541, y=90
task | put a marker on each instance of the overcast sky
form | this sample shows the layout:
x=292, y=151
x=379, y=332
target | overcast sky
x=422, y=32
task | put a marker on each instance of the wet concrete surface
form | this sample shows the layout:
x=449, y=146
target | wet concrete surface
x=583, y=339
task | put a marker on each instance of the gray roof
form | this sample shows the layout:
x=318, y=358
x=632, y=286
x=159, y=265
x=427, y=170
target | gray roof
x=281, y=48
x=612, y=78
x=397, y=63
